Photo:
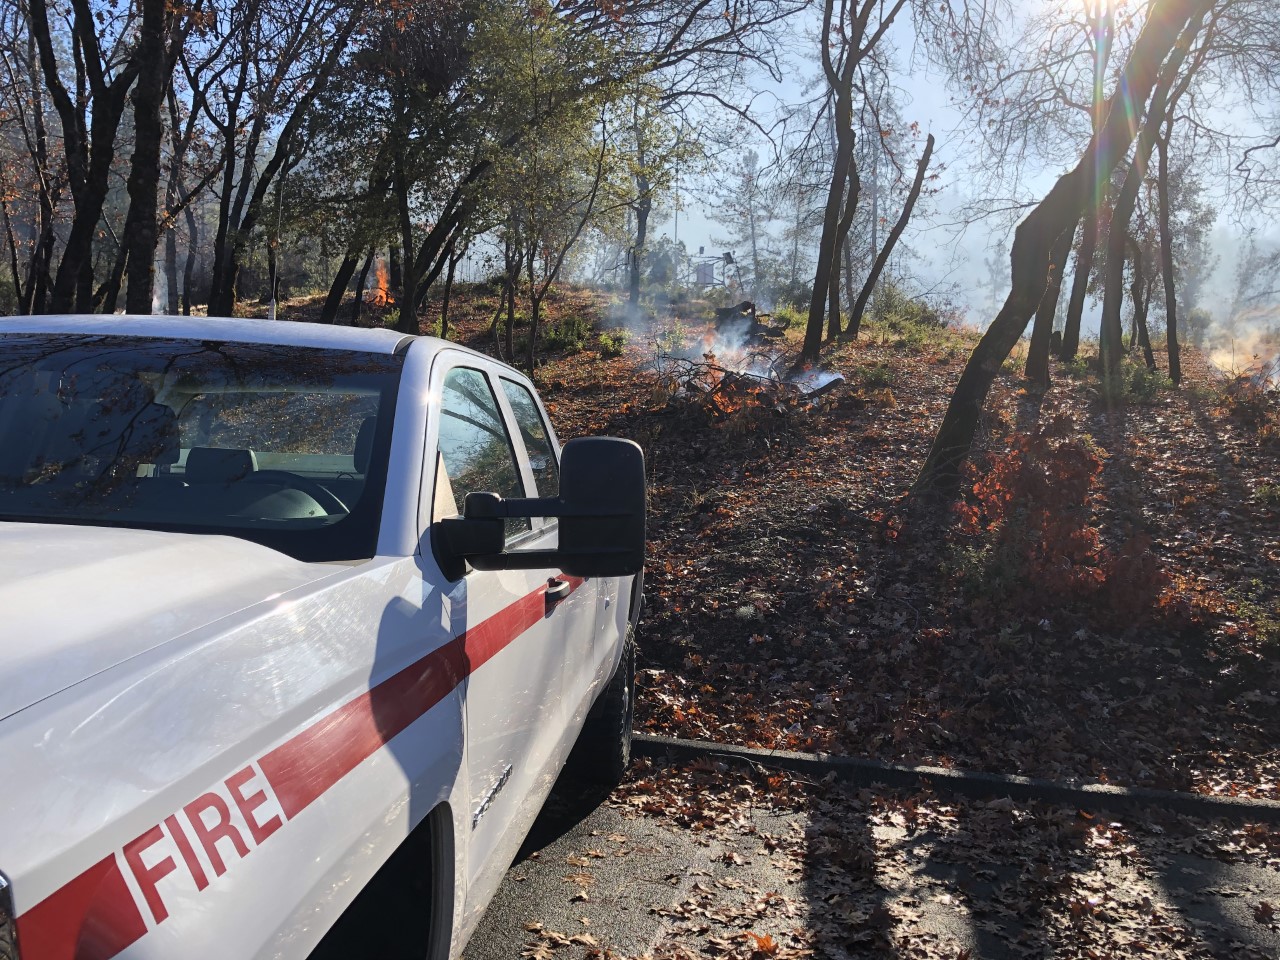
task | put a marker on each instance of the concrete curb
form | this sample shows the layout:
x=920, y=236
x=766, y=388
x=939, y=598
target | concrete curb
x=967, y=783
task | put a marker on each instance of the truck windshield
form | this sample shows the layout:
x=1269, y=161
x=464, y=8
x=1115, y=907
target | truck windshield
x=285, y=446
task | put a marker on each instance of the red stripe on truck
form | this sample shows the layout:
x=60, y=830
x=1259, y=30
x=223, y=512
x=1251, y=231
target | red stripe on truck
x=94, y=916
x=91, y=918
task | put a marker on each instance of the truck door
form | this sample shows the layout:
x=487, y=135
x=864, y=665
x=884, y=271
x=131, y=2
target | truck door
x=518, y=632
x=533, y=433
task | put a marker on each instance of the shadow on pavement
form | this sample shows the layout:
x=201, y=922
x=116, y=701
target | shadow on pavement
x=568, y=804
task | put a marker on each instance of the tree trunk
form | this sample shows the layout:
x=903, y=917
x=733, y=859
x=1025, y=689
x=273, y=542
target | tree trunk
x=1037, y=370
x=338, y=289
x=1029, y=258
x=834, y=322
x=15, y=271
x=644, y=204
x=1080, y=286
x=108, y=294
x=171, y=270
x=407, y=322
x=141, y=224
x=510, y=330
x=1141, y=297
x=189, y=268
x=847, y=273
x=535, y=309
x=454, y=257
x=89, y=153
x=1166, y=256
x=1110, y=346
x=222, y=236
x=38, y=279
x=395, y=275
x=36, y=288
x=1101, y=25
x=358, y=302
x=891, y=241
x=73, y=283
x=827, y=249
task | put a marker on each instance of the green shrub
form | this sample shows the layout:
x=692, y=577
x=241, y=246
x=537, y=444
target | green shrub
x=1143, y=385
x=877, y=375
x=892, y=305
x=901, y=320
x=1268, y=494
x=613, y=343
x=790, y=316
x=1259, y=614
x=568, y=335
x=1077, y=367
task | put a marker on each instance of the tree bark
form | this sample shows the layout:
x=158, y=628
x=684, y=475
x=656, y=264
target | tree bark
x=857, y=46
x=535, y=305
x=1080, y=285
x=1037, y=369
x=338, y=289
x=171, y=270
x=1109, y=337
x=358, y=302
x=395, y=274
x=89, y=151
x=141, y=224
x=1110, y=347
x=407, y=321
x=106, y=297
x=15, y=271
x=826, y=253
x=189, y=268
x=1166, y=256
x=454, y=257
x=1029, y=258
x=644, y=205
x=509, y=332
x=834, y=322
x=855, y=321
x=1141, y=297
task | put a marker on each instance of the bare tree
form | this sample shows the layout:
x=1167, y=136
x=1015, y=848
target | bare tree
x=284, y=56
x=105, y=65
x=1167, y=26
x=855, y=320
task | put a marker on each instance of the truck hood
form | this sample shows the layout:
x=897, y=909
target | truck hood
x=75, y=601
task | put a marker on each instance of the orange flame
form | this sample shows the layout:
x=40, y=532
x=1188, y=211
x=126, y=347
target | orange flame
x=380, y=295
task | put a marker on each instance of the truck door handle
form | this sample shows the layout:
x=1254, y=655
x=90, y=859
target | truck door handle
x=557, y=590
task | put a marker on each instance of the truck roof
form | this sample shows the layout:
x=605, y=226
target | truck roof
x=239, y=330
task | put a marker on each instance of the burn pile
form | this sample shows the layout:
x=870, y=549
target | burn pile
x=742, y=400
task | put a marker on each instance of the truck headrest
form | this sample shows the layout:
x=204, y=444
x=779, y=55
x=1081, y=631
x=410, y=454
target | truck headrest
x=219, y=465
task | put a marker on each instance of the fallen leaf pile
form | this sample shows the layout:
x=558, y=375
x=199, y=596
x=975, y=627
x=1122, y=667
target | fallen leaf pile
x=795, y=869
x=795, y=599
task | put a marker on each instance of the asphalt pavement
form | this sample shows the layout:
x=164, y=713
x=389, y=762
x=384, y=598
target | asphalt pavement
x=863, y=883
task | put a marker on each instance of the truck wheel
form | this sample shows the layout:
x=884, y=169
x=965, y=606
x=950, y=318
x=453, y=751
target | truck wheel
x=603, y=751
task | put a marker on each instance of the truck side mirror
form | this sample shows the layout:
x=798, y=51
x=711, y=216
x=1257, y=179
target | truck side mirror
x=601, y=508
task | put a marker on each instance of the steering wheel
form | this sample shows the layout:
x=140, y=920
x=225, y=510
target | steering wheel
x=328, y=501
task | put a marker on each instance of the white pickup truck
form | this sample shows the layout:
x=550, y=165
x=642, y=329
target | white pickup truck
x=298, y=626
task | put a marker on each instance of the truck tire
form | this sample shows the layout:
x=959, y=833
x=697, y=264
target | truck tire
x=603, y=751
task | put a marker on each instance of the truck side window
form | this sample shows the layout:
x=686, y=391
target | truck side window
x=475, y=447
x=537, y=438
